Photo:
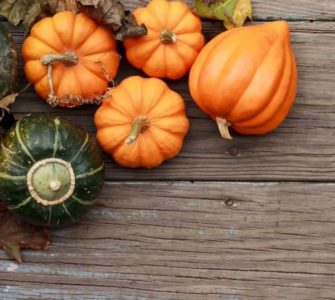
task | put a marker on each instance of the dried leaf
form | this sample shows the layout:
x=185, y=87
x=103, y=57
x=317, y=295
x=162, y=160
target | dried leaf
x=28, y=11
x=236, y=12
x=107, y=12
x=204, y=8
x=32, y=15
x=6, y=117
x=23, y=10
x=54, y=6
x=112, y=14
x=16, y=235
x=233, y=13
x=130, y=28
x=8, y=100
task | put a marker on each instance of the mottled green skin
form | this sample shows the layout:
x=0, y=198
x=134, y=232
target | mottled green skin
x=38, y=134
x=8, y=62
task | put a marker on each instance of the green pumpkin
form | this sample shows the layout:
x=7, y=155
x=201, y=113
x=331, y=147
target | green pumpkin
x=51, y=170
x=8, y=63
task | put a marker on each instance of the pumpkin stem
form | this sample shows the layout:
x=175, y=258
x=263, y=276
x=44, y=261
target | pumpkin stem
x=139, y=125
x=69, y=58
x=51, y=84
x=55, y=185
x=167, y=37
x=223, y=125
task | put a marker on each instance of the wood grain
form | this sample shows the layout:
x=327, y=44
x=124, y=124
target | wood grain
x=274, y=9
x=301, y=149
x=179, y=240
x=188, y=234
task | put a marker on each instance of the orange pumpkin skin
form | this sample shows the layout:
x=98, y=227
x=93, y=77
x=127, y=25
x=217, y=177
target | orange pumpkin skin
x=173, y=41
x=93, y=45
x=142, y=123
x=246, y=78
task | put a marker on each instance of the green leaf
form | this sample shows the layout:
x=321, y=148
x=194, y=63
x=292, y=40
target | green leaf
x=233, y=13
x=17, y=11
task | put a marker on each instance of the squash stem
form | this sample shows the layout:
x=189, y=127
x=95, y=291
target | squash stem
x=51, y=84
x=55, y=185
x=167, y=37
x=139, y=125
x=68, y=58
x=51, y=192
x=224, y=125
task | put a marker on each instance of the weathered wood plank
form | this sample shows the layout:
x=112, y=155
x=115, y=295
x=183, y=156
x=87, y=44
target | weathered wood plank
x=301, y=149
x=209, y=240
x=189, y=241
x=270, y=9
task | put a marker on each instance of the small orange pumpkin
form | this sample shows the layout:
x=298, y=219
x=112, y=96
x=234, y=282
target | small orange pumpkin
x=142, y=123
x=70, y=59
x=246, y=78
x=173, y=41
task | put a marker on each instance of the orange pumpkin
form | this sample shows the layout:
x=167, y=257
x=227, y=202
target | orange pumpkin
x=70, y=59
x=142, y=123
x=246, y=78
x=173, y=41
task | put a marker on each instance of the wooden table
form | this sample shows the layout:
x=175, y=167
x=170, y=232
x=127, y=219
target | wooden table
x=251, y=218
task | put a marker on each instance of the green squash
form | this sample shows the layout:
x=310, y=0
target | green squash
x=8, y=62
x=51, y=170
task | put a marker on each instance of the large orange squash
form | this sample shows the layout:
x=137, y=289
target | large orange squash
x=142, y=123
x=70, y=59
x=246, y=78
x=173, y=41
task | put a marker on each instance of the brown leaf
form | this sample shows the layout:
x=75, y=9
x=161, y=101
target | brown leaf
x=130, y=28
x=16, y=235
x=29, y=11
x=55, y=6
x=106, y=12
x=32, y=15
x=8, y=100
x=112, y=14
x=24, y=10
x=6, y=117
